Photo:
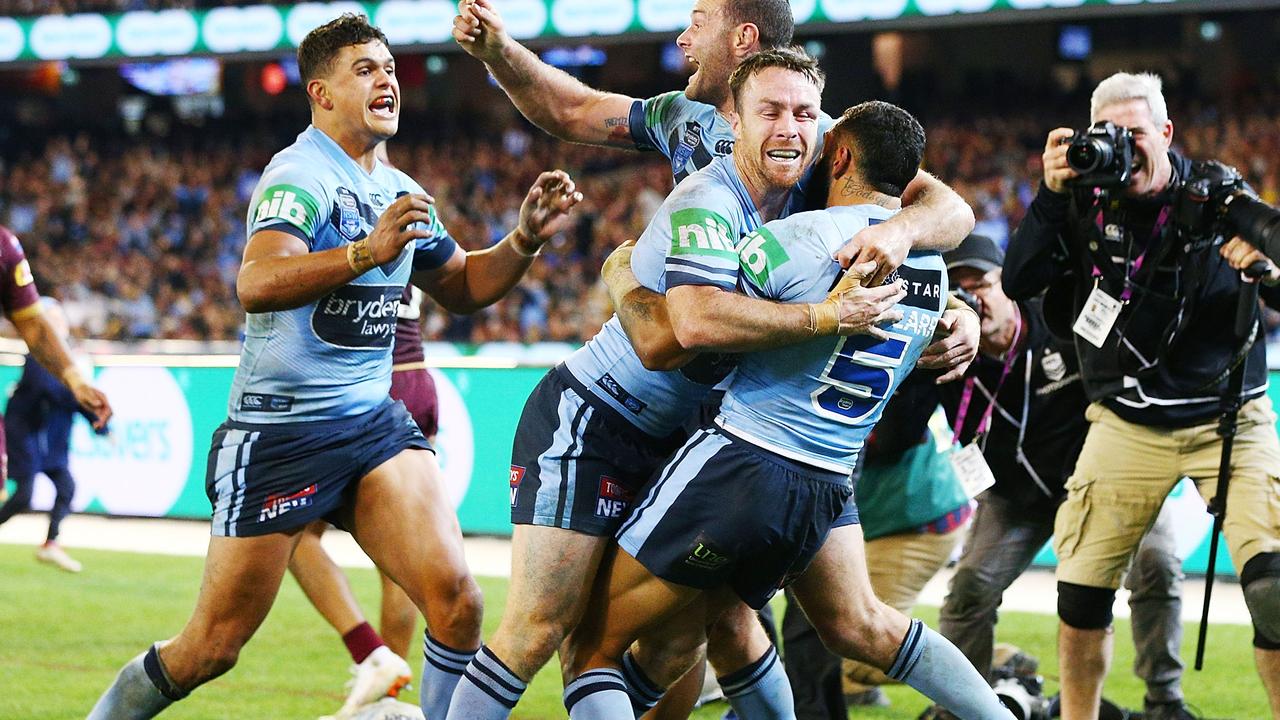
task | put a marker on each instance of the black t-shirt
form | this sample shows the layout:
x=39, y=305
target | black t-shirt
x=1030, y=467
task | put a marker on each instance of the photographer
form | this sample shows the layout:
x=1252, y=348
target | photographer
x=1023, y=404
x=1148, y=304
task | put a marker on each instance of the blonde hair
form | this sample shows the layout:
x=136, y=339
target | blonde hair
x=1130, y=86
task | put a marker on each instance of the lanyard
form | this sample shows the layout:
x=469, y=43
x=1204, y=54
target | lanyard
x=984, y=424
x=1131, y=268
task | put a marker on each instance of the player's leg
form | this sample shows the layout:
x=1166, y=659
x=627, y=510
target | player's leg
x=20, y=500
x=571, y=467
x=747, y=666
x=1155, y=602
x=1003, y=540
x=836, y=594
x=397, y=617
x=241, y=578
x=378, y=671
x=22, y=449
x=899, y=566
x=403, y=519
x=656, y=663
x=631, y=603
x=1120, y=481
x=65, y=489
x=1252, y=525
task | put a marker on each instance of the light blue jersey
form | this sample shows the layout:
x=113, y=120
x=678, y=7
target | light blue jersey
x=817, y=401
x=692, y=240
x=689, y=133
x=330, y=358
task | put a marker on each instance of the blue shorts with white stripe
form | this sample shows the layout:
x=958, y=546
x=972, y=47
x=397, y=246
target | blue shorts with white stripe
x=265, y=478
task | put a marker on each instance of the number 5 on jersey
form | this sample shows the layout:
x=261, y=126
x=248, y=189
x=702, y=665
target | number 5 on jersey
x=858, y=376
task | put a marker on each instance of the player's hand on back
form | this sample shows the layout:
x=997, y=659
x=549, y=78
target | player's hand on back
x=478, y=29
x=883, y=244
x=545, y=210
x=955, y=345
x=853, y=307
x=405, y=220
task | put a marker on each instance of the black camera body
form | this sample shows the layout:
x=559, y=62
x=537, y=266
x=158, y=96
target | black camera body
x=1102, y=155
x=1214, y=203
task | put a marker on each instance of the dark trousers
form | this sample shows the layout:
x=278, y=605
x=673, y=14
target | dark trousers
x=21, y=498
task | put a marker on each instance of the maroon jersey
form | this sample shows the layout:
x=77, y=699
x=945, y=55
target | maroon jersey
x=408, y=347
x=18, y=294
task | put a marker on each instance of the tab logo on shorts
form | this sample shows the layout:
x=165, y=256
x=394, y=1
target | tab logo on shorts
x=517, y=474
x=263, y=402
x=695, y=231
x=277, y=505
x=613, y=499
x=357, y=316
x=705, y=555
x=291, y=204
x=629, y=401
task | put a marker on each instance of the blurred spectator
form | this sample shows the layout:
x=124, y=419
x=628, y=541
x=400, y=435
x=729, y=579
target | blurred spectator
x=143, y=238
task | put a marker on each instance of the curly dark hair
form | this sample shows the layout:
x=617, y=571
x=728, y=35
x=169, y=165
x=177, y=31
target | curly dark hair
x=887, y=141
x=321, y=46
x=790, y=58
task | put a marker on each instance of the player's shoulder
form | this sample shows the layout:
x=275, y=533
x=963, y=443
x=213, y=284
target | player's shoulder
x=706, y=188
x=672, y=106
x=400, y=179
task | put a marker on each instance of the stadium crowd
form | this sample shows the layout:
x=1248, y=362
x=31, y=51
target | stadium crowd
x=162, y=225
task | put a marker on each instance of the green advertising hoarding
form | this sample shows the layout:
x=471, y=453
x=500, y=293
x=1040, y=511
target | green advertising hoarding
x=267, y=28
x=153, y=463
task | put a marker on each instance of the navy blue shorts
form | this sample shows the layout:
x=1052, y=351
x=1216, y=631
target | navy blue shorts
x=577, y=465
x=275, y=477
x=726, y=512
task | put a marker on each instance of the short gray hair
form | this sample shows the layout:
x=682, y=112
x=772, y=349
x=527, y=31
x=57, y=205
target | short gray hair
x=1130, y=86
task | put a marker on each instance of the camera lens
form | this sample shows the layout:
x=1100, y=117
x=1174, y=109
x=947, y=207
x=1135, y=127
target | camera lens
x=1088, y=155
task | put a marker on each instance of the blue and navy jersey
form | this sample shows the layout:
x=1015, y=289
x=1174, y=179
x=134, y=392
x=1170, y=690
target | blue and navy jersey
x=689, y=133
x=692, y=240
x=817, y=401
x=330, y=358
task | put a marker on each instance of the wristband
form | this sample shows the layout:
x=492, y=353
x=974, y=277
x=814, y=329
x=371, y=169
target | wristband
x=824, y=318
x=516, y=244
x=359, y=258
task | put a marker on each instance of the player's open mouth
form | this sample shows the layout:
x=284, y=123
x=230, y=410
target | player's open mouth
x=384, y=106
x=783, y=155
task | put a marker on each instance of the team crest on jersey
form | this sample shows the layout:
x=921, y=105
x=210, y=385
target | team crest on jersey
x=517, y=474
x=689, y=142
x=1054, y=366
x=348, y=214
x=612, y=500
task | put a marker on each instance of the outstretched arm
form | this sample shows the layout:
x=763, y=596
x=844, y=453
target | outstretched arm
x=550, y=98
x=469, y=281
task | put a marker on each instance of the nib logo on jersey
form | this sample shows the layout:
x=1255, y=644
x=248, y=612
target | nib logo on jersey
x=613, y=499
x=277, y=505
x=357, y=316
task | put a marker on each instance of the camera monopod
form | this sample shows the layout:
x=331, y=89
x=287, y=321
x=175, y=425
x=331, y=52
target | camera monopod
x=1246, y=328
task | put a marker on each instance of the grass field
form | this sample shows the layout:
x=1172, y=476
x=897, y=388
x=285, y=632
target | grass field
x=63, y=637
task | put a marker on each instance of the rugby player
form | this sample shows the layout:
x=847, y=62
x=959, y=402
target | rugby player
x=334, y=236
x=745, y=504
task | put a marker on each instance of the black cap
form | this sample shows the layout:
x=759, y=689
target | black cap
x=976, y=251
